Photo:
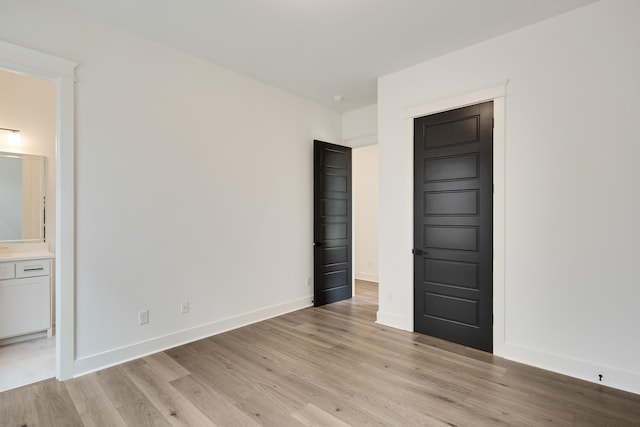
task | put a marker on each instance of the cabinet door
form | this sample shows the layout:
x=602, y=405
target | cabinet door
x=24, y=306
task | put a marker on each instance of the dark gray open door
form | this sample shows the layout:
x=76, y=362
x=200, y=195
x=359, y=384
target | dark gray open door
x=331, y=223
x=453, y=225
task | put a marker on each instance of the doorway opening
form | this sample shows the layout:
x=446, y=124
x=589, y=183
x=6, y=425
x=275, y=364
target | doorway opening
x=365, y=216
x=61, y=72
x=345, y=221
x=27, y=353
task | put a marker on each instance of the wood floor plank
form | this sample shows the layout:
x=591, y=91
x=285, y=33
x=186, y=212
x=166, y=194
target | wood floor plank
x=591, y=405
x=142, y=413
x=54, y=405
x=175, y=408
x=84, y=388
x=165, y=366
x=214, y=370
x=265, y=411
x=311, y=415
x=322, y=366
x=92, y=404
x=98, y=412
x=614, y=401
x=117, y=386
x=287, y=340
x=218, y=408
x=517, y=407
x=17, y=408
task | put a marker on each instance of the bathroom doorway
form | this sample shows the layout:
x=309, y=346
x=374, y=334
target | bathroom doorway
x=28, y=105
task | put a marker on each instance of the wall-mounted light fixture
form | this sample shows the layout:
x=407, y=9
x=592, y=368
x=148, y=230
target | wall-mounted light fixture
x=13, y=136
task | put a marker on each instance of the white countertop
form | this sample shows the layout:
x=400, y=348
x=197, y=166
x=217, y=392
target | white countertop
x=24, y=256
x=26, y=251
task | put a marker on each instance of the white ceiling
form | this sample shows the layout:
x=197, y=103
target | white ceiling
x=321, y=48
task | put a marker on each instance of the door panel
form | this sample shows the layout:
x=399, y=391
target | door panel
x=462, y=166
x=453, y=220
x=451, y=202
x=332, y=223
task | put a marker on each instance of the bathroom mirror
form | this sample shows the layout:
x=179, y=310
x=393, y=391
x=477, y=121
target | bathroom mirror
x=22, y=198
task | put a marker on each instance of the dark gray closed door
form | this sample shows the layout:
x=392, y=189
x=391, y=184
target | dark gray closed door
x=332, y=223
x=453, y=225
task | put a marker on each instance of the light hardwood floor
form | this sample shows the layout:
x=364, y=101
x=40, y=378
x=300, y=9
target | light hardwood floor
x=327, y=366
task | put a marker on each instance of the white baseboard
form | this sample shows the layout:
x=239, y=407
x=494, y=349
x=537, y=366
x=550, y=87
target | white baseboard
x=393, y=320
x=120, y=355
x=588, y=371
x=367, y=276
x=582, y=369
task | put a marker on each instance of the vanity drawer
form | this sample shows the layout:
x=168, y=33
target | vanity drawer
x=7, y=270
x=32, y=268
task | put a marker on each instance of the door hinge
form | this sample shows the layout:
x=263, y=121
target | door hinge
x=493, y=123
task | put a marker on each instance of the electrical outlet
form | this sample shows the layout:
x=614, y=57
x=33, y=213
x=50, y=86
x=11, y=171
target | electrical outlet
x=308, y=281
x=143, y=317
x=184, y=307
x=389, y=297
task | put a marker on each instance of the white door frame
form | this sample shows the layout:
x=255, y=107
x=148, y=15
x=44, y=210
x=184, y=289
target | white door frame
x=496, y=94
x=62, y=72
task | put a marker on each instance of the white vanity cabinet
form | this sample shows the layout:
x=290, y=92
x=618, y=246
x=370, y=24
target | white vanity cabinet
x=25, y=296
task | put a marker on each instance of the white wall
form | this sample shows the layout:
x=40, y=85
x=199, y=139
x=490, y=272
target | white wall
x=365, y=211
x=572, y=202
x=193, y=183
x=360, y=127
x=360, y=132
x=29, y=104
